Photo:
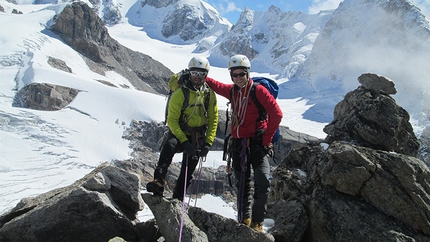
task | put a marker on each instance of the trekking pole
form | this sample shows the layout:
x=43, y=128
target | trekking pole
x=199, y=171
x=229, y=170
x=183, y=199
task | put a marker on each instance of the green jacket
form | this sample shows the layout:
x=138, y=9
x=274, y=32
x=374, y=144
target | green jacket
x=194, y=114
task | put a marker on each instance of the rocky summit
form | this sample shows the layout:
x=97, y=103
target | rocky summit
x=362, y=183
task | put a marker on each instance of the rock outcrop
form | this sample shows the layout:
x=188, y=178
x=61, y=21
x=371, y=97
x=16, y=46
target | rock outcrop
x=98, y=207
x=198, y=225
x=43, y=96
x=370, y=117
x=364, y=184
x=80, y=27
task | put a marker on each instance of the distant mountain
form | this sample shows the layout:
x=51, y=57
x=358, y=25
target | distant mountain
x=180, y=22
x=390, y=38
x=277, y=42
x=320, y=55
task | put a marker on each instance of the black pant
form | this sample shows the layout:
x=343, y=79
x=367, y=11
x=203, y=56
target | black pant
x=169, y=149
x=256, y=159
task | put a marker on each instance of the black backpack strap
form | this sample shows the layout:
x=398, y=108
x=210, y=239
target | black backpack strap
x=207, y=99
x=186, y=93
x=262, y=110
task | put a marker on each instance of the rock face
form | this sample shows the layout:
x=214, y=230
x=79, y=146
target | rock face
x=98, y=207
x=347, y=189
x=198, y=225
x=80, y=27
x=370, y=117
x=376, y=82
x=352, y=193
x=43, y=96
x=355, y=188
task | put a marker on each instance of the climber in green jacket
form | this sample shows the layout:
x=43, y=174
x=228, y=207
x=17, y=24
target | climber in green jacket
x=192, y=119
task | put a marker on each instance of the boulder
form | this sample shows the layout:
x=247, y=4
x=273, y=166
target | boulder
x=354, y=193
x=377, y=82
x=363, y=184
x=197, y=224
x=372, y=118
x=81, y=28
x=98, y=207
x=44, y=96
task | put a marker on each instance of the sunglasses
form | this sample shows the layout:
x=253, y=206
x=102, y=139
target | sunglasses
x=198, y=73
x=240, y=74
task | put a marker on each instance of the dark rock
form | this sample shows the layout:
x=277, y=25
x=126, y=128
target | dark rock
x=168, y=214
x=353, y=193
x=80, y=27
x=59, y=64
x=355, y=188
x=98, y=207
x=424, y=151
x=291, y=220
x=43, y=96
x=378, y=83
x=197, y=225
x=372, y=118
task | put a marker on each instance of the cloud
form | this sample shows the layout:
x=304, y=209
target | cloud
x=318, y=5
x=231, y=7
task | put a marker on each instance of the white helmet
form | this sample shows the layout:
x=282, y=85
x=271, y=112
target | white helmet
x=199, y=62
x=239, y=61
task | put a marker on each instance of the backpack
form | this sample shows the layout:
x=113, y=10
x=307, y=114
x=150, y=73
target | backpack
x=273, y=88
x=179, y=80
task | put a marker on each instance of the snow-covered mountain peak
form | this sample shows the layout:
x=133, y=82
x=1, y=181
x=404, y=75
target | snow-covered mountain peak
x=179, y=22
x=389, y=38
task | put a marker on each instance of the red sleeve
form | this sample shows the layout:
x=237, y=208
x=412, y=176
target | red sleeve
x=273, y=110
x=219, y=87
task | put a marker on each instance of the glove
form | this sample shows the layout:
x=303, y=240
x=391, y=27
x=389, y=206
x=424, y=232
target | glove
x=205, y=149
x=189, y=148
x=259, y=133
x=269, y=150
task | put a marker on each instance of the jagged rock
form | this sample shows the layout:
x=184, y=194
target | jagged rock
x=353, y=193
x=371, y=118
x=59, y=64
x=376, y=82
x=168, y=214
x=80, y=27
x=291, y=220
x=98, y=207
x=355, y=188
x=43, y=96
x=424, y=151
x=198, y=225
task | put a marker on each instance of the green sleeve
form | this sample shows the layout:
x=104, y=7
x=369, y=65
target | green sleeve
x=174, y=114
x=212, y=118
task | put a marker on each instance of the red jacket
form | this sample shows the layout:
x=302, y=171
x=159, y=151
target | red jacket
x=247, y=113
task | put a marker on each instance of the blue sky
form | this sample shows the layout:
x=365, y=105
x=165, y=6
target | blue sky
x=231, y=9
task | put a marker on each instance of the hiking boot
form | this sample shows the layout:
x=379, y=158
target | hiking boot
x=247, y=222
x=257, y=226
x=156, y=187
